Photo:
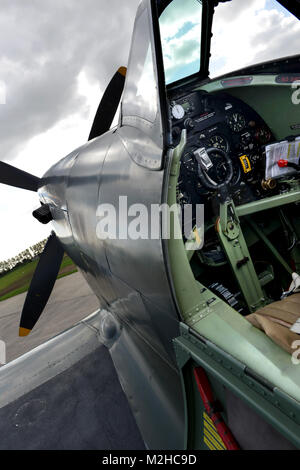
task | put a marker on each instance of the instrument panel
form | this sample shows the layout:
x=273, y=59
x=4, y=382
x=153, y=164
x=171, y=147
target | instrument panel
x=238, y=135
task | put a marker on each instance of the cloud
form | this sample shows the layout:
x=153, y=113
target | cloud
x=236, y=10
x=246, y=33
x=44, y=48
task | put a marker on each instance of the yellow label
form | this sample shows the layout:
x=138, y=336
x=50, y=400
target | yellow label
x=245, y=163
x=211, y=437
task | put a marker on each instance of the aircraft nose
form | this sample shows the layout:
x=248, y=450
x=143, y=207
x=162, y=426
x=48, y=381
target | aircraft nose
x=55, y=181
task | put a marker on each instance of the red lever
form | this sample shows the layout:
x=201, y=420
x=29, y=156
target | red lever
x=282, y=163
x=207, y=398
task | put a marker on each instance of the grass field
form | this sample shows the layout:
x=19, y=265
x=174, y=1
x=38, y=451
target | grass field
x=18, y=280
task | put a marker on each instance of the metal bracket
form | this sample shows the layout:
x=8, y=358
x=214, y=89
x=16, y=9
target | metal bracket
x=235, y=247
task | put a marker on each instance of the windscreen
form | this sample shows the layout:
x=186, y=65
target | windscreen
x=140, y=94
x=180, y=30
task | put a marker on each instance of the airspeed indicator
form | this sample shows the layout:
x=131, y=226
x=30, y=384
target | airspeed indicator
x=178, y=111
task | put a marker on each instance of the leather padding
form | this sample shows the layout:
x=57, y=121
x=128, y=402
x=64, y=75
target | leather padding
x=276, y=320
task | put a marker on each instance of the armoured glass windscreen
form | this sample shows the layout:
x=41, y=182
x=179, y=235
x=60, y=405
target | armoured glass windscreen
x=140, y=94
x=248, y=33
x=180, y=30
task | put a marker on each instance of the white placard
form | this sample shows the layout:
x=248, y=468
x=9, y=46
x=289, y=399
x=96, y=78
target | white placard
x=285, y=150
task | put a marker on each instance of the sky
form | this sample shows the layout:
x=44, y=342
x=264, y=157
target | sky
x=56, y=58
x=250, y=32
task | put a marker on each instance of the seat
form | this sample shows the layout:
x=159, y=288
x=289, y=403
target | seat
x=276, y=319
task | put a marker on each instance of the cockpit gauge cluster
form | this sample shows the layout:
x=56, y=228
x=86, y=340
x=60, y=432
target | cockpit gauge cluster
x=225, y=131
x=236, y=122
x=219, y=142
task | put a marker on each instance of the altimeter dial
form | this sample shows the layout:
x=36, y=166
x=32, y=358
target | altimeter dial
x=236, y=122
x=218, y=142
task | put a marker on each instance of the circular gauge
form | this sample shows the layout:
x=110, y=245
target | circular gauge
x=188, y=161
x=263, y=135
x=218, y=142
x=221, y=170
x=178, y=111
x=236, y=122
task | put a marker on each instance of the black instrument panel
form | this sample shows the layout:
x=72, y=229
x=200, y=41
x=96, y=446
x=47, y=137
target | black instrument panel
x=223, y=122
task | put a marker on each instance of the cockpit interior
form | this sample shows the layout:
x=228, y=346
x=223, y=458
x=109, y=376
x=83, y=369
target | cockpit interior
x=241, y=162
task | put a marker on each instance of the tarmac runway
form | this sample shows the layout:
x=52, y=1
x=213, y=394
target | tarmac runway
x=81, y=408
x=71, y=301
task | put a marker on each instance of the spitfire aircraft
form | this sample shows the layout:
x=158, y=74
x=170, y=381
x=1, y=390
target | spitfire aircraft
x=202, y=328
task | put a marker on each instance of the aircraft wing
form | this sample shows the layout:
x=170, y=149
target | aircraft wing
x=65, y=394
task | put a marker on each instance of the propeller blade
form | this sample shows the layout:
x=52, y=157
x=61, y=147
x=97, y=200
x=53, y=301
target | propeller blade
x=109, y=104
x=42, y=284
x=20, y=179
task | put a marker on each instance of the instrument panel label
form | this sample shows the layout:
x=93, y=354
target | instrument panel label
x=245, y=163
x=205, y=116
